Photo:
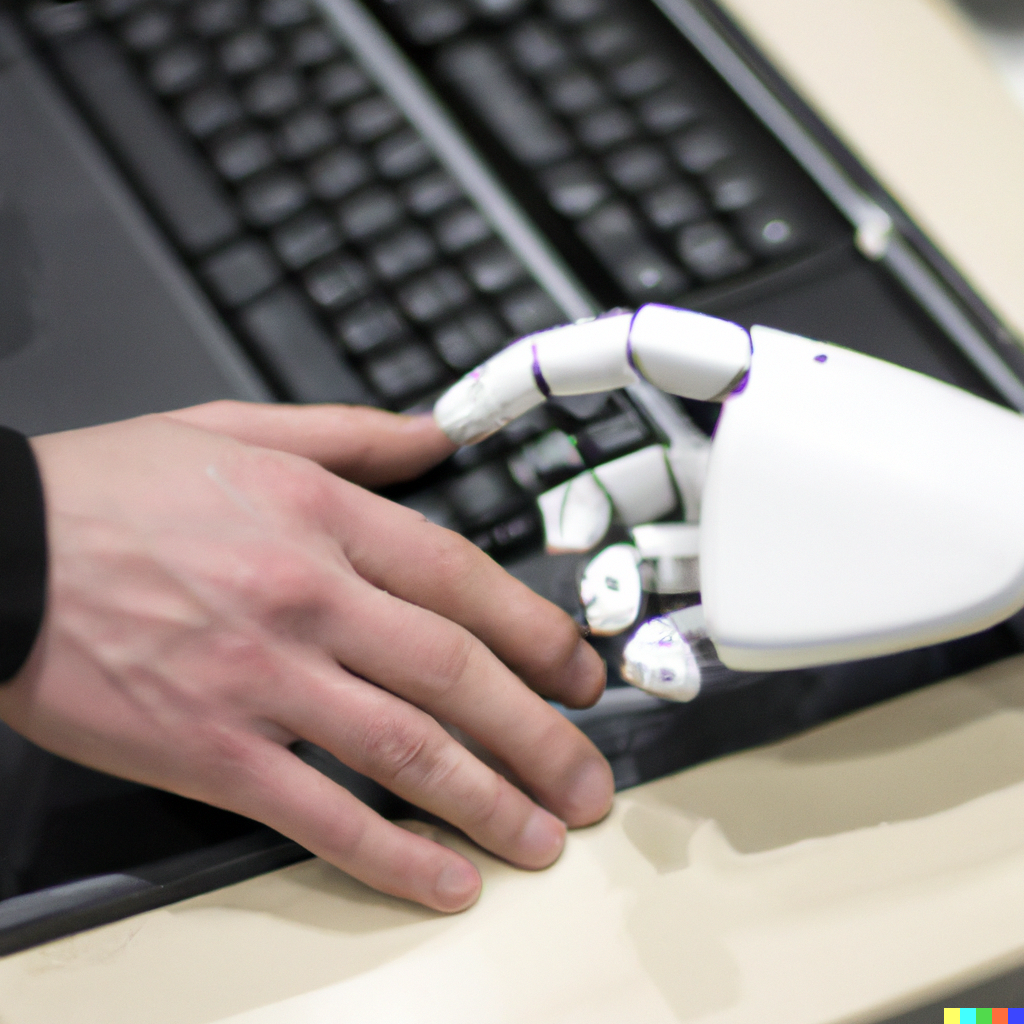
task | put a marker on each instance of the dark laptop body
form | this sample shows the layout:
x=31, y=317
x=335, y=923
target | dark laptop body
x=145, y=266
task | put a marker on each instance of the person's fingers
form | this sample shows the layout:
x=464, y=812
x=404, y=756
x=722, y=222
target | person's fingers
x=275, y=787
x=399, y=551
x=368, y=446
x=405, y=749
x=442, y=668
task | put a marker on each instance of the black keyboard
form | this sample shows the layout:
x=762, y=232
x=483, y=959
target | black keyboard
x=354, y=264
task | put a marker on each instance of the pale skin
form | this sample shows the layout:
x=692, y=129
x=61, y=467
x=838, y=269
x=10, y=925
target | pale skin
x=221, y=584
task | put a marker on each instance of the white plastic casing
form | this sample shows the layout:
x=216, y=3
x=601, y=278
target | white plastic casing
x=490, y=396
x=689, y=354
x=587, y=357
x=854, y=508
x=678, y=351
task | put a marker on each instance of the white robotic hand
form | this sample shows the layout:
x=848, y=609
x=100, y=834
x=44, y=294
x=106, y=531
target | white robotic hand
x=851, y=507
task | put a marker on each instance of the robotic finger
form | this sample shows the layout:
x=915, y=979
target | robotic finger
x=851, y=507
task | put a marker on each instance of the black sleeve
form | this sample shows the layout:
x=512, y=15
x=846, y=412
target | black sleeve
x=22, y=552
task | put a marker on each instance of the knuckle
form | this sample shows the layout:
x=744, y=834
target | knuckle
x=450, y=662
x=451, y=555
x=286, y=577
x=392, y=744
x=228, y=753
x=480, y=806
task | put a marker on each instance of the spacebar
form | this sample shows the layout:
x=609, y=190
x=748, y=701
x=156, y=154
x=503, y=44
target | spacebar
x=184, y=191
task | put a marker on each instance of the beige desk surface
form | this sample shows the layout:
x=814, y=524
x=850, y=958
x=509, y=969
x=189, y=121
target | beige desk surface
x=833, y=877
x=825, y=878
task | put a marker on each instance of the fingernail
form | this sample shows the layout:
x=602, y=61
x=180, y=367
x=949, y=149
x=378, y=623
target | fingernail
x=591, y=794
x=541, y=840
x=585, y=675
x=457, y=885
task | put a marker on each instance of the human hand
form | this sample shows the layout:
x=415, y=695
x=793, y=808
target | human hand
x=215, y=595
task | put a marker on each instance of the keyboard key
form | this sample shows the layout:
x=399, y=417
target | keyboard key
x=307, y=238
x=283, y=13
x=113, y=9
x=640, y=76
x=429, y=22
x=575, y=189
x=519, y=529
x=208, y=111
x=341, y=82
x=402, y=254
x=700, y=149
x=434, y=294
x=493, y=267
x=273, y=198
x=545, y=462
x=369, y=213
x=337, y=282
x=177, y=69
x=299, y=352
x=608, y=438
x=402, y=154
x=337, y=173
x=574, y=92
x=312, y=45
x=530, y=424
x=305, y=134
x=673, y=205
x=618, y=240
x=272, y=93
x=242, y=154
x=506, y=103
x=242, y=271
x=405, y=373
x=499, y=8
x=213, y=18
x=531, y=309
x=771, y=229
x=537, y=48
x=575, y=12
x=370, y=325
x=469, y=338
x=369, y=119
x=486, y=495
x=668, y=111
x=181, y=187
x=711, y=252
x=576, y=409
x=733, y=185
x=433, y=506
x=610, y=40
x=638, y=168
x=606, y=127
x=246, y=52
x=149, y=29
x=431, y=193
x=461, y=228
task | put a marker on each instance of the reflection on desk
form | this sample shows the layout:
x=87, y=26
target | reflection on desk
x=840, y=875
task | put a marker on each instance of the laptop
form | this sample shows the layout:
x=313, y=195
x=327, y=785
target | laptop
x=358, y=201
